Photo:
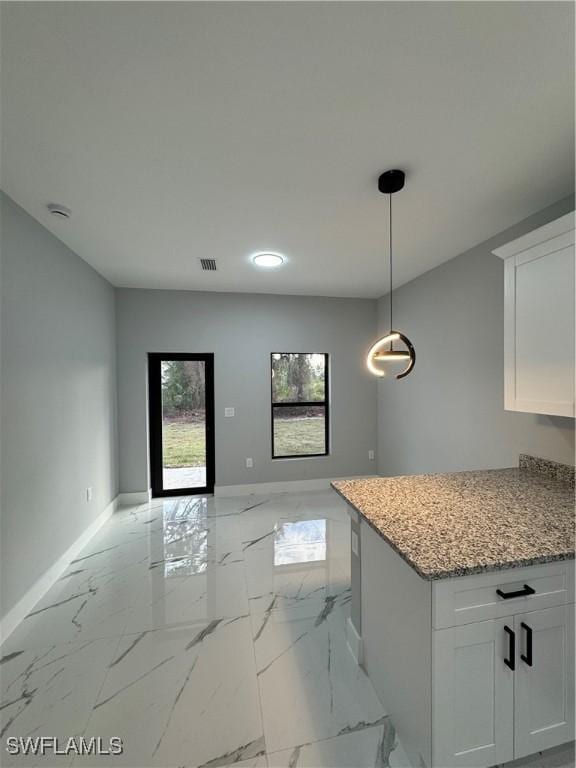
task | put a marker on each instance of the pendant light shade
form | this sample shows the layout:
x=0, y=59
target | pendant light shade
x=382, y=352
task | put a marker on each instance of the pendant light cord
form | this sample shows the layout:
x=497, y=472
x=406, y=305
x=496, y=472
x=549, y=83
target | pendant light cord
x=390, y=252
x=390, y=255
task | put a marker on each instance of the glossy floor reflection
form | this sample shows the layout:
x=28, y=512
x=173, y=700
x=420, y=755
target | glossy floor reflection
x=203, y=632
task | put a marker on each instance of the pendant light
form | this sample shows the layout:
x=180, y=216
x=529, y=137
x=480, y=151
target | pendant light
x=382, y=351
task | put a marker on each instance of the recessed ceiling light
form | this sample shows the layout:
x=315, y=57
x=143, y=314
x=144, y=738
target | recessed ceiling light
x=268, y=259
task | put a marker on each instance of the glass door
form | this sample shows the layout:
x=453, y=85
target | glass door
x=181, y=398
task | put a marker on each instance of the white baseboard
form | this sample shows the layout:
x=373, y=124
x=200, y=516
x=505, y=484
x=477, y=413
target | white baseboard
x=15, y=615
x=354, y=642
x=282, y=486
x=131, y=499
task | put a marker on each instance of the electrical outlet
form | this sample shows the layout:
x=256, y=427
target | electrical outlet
x=228, y=412
x=371, y=455
x=249, y=463
x=89, y=493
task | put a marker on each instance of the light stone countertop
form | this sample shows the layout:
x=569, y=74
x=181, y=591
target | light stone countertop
x=470, y=522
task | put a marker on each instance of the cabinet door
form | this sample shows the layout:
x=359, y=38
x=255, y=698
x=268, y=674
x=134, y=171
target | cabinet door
x=539, y=331
x=544, y=689
x=473, y=695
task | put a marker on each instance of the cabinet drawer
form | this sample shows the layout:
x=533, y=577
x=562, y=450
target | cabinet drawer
x=465, y=599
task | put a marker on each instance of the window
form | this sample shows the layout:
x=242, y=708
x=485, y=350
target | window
x=299, y=405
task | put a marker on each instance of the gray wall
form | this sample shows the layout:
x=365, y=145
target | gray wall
x=242, y=330
x=449, y=413
x=57, y=403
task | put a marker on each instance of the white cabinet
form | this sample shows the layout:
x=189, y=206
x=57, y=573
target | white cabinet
x=544, y=679
x=473, y=704
x=436, y=654
x=503, y=688
x=539, y=320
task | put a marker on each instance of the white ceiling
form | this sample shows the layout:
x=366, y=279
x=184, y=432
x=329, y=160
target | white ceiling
x=183, y=130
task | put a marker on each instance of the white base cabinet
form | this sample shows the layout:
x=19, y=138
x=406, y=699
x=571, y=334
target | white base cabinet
x=503, y=689
x=474, y=671
x=473, y=705
x=544, y=680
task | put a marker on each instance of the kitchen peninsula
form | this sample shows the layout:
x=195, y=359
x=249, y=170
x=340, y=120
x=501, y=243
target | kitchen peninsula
x=463, y=608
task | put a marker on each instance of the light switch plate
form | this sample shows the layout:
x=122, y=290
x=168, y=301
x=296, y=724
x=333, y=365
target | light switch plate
x=371, y=455
x=249, y=463
x=228, y=412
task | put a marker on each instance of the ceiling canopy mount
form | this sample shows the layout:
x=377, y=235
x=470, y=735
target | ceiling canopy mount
x=391, y=181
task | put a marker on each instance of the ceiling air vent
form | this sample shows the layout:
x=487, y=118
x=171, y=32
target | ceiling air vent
x=60, y=211
x=208, y=265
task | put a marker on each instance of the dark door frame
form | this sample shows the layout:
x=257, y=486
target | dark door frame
x=155, y=421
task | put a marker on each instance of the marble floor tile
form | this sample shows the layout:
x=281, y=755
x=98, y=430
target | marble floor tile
x=87, y=602
x=116, y=542
x=257, y=762
x=260, y=761
x=366, y=747
x=298, y=565
x=50, y=691
x=199, y=518
x=227, y=506
x=176, y=593
x=193, y=533
x=398, y=757
x=205, y=633
x=299, y=607
x=169, y=692
x=263, y=514
x=310, y=687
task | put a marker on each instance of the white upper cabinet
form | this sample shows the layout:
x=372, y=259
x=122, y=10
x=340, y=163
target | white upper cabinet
x=539, y=320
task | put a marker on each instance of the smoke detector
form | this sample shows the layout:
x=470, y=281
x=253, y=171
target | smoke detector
x=60, y=211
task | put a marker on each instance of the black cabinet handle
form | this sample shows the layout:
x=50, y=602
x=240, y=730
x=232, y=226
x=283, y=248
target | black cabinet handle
x=524, y=592
x=527, y=659
x=511, y=660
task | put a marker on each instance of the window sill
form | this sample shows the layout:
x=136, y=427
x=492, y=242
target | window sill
x=301, y=458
